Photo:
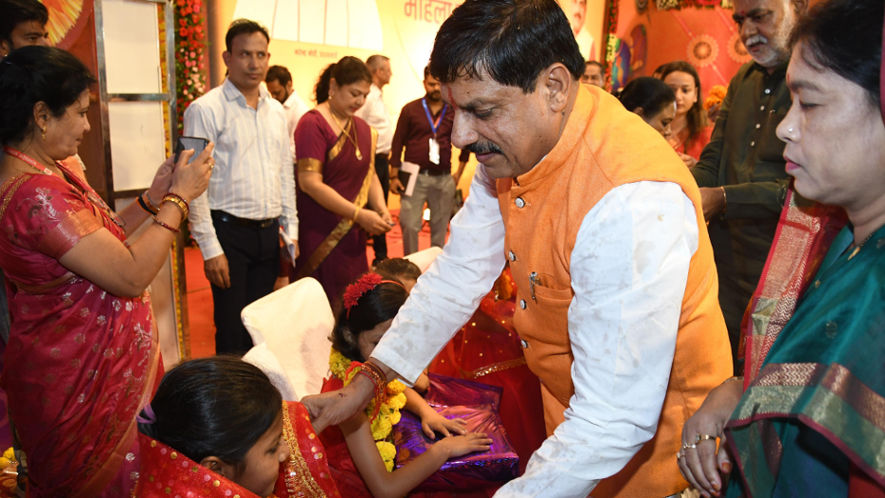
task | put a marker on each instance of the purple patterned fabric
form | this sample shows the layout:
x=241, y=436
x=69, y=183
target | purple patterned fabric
x=477, y=403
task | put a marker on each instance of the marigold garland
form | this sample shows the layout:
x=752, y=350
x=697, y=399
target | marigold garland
x=715, y=97
x=389, y=413
x=8, y=459
x=190, y=43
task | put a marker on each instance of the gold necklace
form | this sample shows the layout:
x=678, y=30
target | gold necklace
x=354, y=139
x=858, y=246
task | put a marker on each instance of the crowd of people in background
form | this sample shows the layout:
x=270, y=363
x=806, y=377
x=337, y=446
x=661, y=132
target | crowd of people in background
x=680, y=300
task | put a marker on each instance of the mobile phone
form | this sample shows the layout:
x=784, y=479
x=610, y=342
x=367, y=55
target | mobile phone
x=195, y=143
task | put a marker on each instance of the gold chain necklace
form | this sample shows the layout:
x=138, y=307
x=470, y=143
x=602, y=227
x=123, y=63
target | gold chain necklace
x=859, y=246
x=354, y=139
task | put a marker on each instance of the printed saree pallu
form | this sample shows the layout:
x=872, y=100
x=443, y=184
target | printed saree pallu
x=80, y=362
x=305, y=474
x=815, y=398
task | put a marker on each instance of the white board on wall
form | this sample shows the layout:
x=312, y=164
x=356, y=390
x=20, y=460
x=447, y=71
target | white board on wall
x=138, y=143
x=131, y=33
x=342, y=23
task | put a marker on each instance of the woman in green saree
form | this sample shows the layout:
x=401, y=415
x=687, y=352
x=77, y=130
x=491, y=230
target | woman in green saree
x=808, y=418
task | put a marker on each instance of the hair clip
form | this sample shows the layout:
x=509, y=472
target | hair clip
x=149, y=417
x=365, y=283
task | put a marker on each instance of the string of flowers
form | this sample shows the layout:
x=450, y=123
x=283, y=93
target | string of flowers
x=611, y=39
x=190, y=43
x=680, y=4
x=388, y=415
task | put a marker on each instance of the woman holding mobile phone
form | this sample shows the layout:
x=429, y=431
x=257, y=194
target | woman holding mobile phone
x=82, y=355
x=336, y=156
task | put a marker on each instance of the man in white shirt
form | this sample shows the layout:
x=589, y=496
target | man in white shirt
x=279, y=84
x=375, y=112
x=251, y=194
x=604, y=232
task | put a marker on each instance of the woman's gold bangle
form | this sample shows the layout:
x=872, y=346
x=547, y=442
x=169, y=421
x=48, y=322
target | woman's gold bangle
x=356, y=212
x=179, y=203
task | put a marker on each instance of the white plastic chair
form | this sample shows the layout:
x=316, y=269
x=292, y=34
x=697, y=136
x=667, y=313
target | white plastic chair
x=264, y=359
x=295, y=323
x=424, y=257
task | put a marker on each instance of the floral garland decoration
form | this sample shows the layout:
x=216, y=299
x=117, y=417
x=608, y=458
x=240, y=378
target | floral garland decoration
x=388, y=415
x=190, y=43
x=679, y=4
x=611, y=40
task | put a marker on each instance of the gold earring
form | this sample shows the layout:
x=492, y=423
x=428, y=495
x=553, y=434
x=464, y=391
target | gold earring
x=43, y=133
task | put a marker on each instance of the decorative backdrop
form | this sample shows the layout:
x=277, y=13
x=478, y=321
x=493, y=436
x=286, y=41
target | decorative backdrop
x=642, y=34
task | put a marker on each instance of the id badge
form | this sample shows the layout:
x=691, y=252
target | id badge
x=433, y=145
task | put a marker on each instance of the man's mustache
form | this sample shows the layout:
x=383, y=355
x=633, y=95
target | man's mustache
x=482, y=148
x=755, y=39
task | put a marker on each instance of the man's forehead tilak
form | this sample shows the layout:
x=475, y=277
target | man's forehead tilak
x=447, y=96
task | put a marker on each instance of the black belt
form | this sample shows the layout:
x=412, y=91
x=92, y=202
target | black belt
x=225, y=217
x=432, y=172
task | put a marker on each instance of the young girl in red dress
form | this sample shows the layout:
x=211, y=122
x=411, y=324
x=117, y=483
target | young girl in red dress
x=361, y=454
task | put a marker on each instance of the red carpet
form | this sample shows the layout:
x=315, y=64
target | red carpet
x=199, y=295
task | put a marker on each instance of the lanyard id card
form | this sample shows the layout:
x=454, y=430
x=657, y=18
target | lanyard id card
x=433, y=146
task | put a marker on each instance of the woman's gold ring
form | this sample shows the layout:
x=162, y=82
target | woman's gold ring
x=703, y=437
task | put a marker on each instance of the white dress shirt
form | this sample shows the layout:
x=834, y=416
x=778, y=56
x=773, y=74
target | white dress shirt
x=374, y=112
x=629, y=268
x=295, y=107
x=254, y=176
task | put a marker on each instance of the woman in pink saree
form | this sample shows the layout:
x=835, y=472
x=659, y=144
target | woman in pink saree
x=336, y=173
x=82, y=354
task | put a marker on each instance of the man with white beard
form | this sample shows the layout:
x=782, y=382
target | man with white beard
x=741, y=171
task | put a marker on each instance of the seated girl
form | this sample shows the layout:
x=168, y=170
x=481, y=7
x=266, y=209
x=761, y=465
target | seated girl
x=218, y=427
x=360, y=455
x=487, y=349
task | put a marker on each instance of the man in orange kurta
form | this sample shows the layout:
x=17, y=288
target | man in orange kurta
x=603, y=229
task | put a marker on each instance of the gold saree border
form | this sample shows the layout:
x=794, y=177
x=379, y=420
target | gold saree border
x=14, y=184
x=342, y=140
x=300, y=470
x=310, y=164
x=495, y=367
x=840, y=404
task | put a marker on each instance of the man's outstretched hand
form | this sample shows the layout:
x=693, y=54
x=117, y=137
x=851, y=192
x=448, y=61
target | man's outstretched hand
x=334, y=407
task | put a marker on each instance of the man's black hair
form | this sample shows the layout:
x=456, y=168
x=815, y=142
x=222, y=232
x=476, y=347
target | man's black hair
x=510, y=40
x=243, y=26
x=15, y=12
x=279, y=74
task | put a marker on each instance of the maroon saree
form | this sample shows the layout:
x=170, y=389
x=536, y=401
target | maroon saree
x=333, y=249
